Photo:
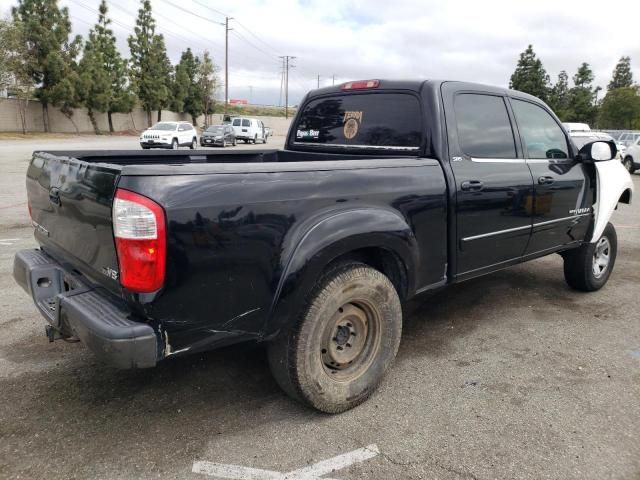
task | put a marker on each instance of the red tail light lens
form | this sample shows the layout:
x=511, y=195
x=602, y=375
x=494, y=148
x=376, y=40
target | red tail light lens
x=139, y=230
x=361, y=85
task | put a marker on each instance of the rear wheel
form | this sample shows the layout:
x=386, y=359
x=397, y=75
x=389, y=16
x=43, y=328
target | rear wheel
x=588, y=267
x=345, y=341
x=264, y=140
x=235, y=142
x=255, y=139
x=628, y=164
x=194, y=143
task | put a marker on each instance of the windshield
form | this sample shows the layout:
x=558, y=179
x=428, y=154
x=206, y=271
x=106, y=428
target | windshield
x=217, y=129
x=365, y=120
x=164, y=126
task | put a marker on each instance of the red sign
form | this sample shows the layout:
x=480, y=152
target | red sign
x=238, y=101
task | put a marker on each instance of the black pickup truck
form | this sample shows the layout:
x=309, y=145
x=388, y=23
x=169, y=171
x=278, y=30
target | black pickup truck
x=385, y=189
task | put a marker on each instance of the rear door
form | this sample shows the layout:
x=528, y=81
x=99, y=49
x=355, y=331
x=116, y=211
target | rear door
x=493, y=181
x=562, y=193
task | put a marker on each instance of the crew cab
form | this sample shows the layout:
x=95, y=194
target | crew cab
x=384, y=190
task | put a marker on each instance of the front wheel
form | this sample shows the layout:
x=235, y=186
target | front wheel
x=588, y=267
x=235, y=142
x=174, y=144
x=628, y=164
x=346, y=339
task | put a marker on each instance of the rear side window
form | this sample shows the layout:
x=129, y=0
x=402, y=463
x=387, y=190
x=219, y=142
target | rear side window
x=246, y=123
x=483, y=125
x=361, y=120
x=540, y=133
x=236, y=122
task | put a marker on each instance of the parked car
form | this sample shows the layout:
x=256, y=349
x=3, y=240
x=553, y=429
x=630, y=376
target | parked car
x=267, y=132
x=582, y=138
x=629, y=138
x=385, y=190
x=218, y=135
x=576, y=127
x=249, y=130
x=631, y=159
x=169, y=135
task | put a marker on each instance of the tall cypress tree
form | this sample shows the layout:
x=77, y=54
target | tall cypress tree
x=50, y=53
x=582, y=96
x=622, y=76
x=208, y=84
x=149, y=62
x=103, y=73
x=559, y=99
x=530, y=75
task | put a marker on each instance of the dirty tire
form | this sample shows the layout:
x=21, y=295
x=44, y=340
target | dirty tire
x=588, y=267
x=349, y=300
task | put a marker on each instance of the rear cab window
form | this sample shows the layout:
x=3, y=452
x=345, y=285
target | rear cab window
x=381, y=120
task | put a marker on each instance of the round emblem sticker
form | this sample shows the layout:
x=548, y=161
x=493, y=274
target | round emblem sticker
x=350, y=128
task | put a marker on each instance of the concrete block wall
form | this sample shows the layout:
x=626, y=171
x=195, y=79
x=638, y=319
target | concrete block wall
x=136, y=120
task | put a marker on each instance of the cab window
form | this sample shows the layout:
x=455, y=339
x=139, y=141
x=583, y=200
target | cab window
x=483, y=125
x=541, y=134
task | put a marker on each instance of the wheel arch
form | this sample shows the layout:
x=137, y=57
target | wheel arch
x=377, y=237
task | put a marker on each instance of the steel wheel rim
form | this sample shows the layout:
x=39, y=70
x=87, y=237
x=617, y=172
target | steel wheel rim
x=350, y=341
x=601, y=257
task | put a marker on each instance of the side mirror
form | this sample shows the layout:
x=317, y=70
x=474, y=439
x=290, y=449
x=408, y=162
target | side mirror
x=598, y=151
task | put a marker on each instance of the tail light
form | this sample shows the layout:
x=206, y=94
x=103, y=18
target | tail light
x=361, y=85
x=139, y=230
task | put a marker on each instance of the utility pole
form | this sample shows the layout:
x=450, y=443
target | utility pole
x=226, y=62
x=333, y=79
x=286, y=83
x=318, y=81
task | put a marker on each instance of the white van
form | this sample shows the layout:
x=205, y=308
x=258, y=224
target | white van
x=249, y=129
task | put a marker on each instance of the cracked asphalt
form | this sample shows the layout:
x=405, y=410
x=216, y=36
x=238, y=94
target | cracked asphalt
x=512, y=375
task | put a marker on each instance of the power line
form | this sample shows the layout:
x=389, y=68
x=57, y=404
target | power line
x=182, y=9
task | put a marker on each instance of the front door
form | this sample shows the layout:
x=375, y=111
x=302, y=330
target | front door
x=493, y=181
x=563, y=195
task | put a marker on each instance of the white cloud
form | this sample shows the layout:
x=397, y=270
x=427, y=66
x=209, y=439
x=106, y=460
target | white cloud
x=465, y=40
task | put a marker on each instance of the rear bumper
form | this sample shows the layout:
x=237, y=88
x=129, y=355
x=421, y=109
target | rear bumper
x=73, y=308
x=204, y=141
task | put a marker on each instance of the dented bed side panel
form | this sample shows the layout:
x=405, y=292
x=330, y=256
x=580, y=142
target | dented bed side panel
x=230, y=237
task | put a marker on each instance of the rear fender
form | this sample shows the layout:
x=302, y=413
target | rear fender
x=330, y=238
x=613, y=184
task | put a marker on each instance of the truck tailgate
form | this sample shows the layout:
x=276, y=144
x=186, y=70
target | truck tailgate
x=70, y=202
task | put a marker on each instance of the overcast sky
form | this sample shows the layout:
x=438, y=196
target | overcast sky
x=462, y=40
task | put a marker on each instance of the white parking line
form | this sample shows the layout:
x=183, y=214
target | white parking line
x=7, y=242
x=312, y=472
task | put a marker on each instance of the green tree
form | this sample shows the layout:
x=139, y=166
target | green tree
x=103, y=73
x=208, y=85
x=14, y=72
x=149, y=63
x=622, y=76
x=559, y=98
x=530, y=75
x=582, y=97
x=50, y=54
x=621, y=108
x=179, y=88
x=193, y=104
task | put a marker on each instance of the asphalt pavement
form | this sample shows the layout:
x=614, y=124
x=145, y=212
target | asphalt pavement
x=512, y=375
